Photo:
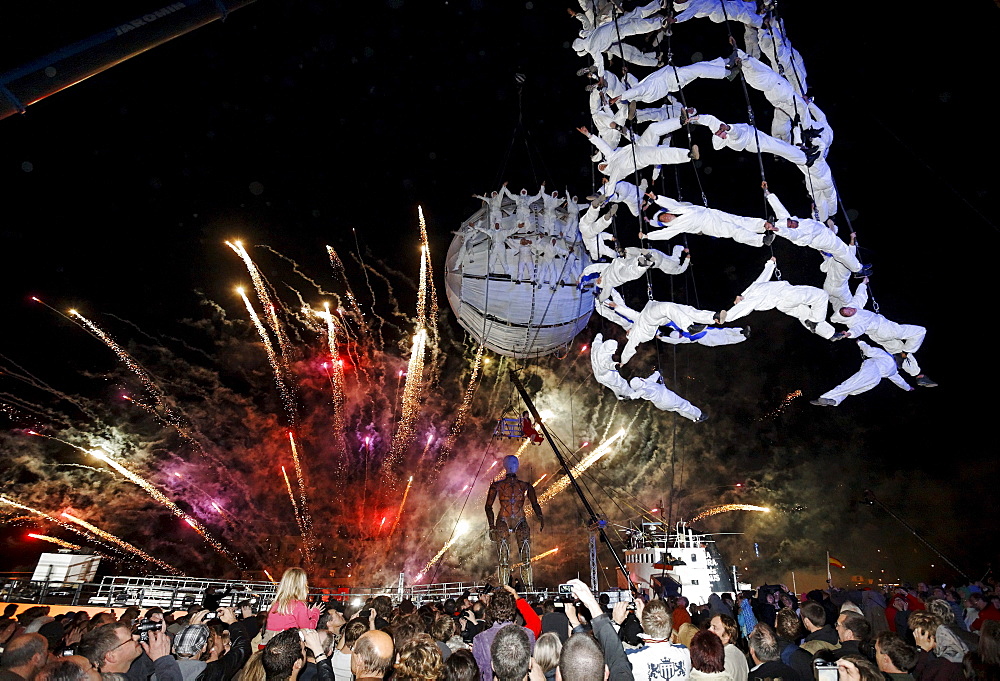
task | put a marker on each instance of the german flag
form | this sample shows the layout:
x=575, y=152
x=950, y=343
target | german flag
x=836, y=563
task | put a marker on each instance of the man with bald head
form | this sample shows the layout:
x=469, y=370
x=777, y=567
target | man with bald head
x=372, y=656
x=23, y=656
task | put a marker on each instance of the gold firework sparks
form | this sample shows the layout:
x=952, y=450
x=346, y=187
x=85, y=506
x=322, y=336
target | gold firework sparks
x=161, y=410
x=399, y=513
x=463, y=410
x=562, y=482
x=303, y=500
x=784, y=404
x=4, y=499
x=118, y=541
x=409, y=406
x=460, y=528
x=159, y=496
x=272, y=357
x=295, y=505
x=336, y=371
x=539, y=556
x=55, y=540
x=726, y=508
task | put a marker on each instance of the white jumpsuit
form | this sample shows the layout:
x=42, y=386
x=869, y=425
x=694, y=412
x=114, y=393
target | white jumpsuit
x=813, y=234
x=603, y=363
x=805, y=303
x=662, y=398
x=624, y=162
x=741, y=137
x=878, y=364
x=693, y=219
x=657, y=313
x=668, y=264
x=667, y=79
x=895, y=338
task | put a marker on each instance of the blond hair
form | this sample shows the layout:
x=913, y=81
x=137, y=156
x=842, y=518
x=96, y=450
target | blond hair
x=293, y=587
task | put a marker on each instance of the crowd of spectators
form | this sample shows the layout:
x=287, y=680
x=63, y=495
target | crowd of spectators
x=923, y=633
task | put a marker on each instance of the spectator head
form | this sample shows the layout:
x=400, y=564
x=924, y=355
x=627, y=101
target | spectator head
x=405, y=628
x=461, y=666
x=510, y=653
x=331, y=620
x=685, y=633
x=940, y=607
x=443, y=627
x=813, y=616
x=65, y=669
x=657, y=620
x=191, y=641
x=763, y=644
x=866, y=670
x=548, y=605
x=292, y=587
x=353, y=631
x=406, y=607
x=924, y=625
x=130, y=615
x=502, y=607
x=419, y=659
x=547, y=650
x=853, y=627
x=253, y=670
x=725, y=628
x=682, y=602
x=110, y=647
x=581, y=659
x=708, y=653
x=284, y=655
x=102, y=618
x=989, y=643
x=32, y=614
x=372, y=655
x=10, y=610
x=83, y=663
x=382, y=607
x=604, y=600
x=976, y=600
x=787, y=625
x=25, y=654
x=893, y=655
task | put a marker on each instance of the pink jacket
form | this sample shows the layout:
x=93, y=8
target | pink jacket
x=301, y=617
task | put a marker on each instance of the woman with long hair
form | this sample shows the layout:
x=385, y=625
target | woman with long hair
x=289, y=609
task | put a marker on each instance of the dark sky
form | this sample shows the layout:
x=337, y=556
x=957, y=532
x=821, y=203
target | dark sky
x=296, y=123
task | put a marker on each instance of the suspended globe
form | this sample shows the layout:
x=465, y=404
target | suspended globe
x=524, y=316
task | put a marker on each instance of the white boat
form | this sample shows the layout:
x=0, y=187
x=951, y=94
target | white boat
x=679, y=561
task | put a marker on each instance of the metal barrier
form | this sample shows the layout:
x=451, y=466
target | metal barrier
x=174, y=593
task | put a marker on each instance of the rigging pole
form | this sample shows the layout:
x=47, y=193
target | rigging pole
x=595, y=519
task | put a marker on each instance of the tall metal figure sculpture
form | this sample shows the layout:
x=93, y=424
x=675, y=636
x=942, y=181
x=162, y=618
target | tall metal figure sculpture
x=512, y=520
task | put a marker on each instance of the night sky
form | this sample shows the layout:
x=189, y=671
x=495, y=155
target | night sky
x=300, y=124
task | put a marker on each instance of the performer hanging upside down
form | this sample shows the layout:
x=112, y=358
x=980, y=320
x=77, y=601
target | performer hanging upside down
x=512, y=520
